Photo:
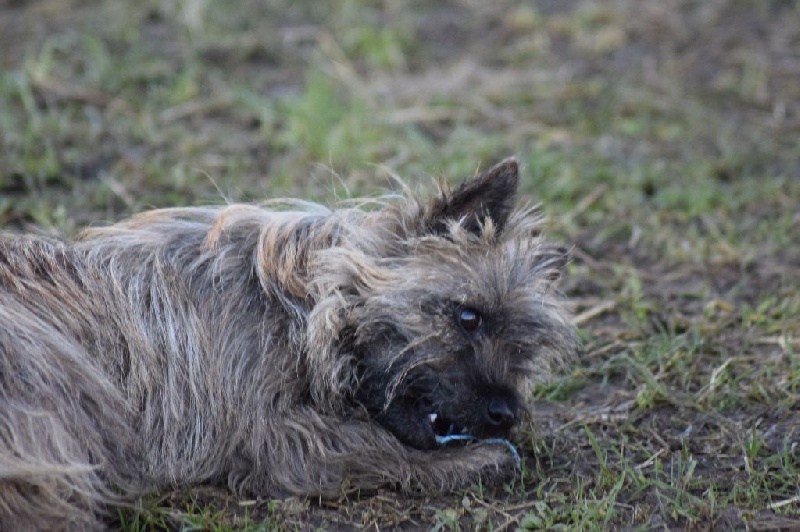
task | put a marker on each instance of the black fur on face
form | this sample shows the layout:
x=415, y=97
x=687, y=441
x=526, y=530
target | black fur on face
x=433, y=403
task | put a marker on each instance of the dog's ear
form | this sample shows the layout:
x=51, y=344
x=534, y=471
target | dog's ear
x=492, y=194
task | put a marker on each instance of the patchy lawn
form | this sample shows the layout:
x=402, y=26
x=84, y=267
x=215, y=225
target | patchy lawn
x=663, y=140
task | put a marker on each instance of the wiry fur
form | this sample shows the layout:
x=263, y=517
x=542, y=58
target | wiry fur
x=278, y=352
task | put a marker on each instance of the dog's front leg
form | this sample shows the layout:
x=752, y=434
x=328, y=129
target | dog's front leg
x=306, y=453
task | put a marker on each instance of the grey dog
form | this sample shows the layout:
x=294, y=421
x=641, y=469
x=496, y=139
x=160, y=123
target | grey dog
x=276, y=350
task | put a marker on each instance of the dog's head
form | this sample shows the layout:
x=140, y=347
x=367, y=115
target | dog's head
x=449, y=314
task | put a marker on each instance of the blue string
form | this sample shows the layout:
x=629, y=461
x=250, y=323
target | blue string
x=441, y=440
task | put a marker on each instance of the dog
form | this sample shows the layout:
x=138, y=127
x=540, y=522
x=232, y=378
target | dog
x=276, y=349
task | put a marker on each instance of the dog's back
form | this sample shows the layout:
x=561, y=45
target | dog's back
x=124, y=355
x=56, y=401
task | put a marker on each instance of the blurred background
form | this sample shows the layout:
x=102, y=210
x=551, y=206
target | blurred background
x=107, y=107
x=663, y=139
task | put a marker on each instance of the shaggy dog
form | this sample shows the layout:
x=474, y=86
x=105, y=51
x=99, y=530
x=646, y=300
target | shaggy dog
x=275, y=351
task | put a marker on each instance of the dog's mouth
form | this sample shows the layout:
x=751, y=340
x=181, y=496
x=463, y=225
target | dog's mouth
x=495, y=417
x=442, y=428
x=419, y=417
x=440, y=425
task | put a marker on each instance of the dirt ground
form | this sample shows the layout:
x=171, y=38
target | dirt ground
x=662, y=138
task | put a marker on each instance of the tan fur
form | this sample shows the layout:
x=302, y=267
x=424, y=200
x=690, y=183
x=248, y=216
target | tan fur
x=227, y=345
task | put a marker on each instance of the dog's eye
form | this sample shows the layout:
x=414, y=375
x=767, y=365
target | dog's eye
x=470, y=319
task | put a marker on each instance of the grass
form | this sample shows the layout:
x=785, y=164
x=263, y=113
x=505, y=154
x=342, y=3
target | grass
x=662, y=143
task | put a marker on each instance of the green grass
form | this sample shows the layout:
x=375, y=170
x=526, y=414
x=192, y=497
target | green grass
x=674, y=175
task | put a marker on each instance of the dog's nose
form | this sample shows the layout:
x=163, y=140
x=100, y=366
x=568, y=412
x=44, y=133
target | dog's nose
x=502, y=413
